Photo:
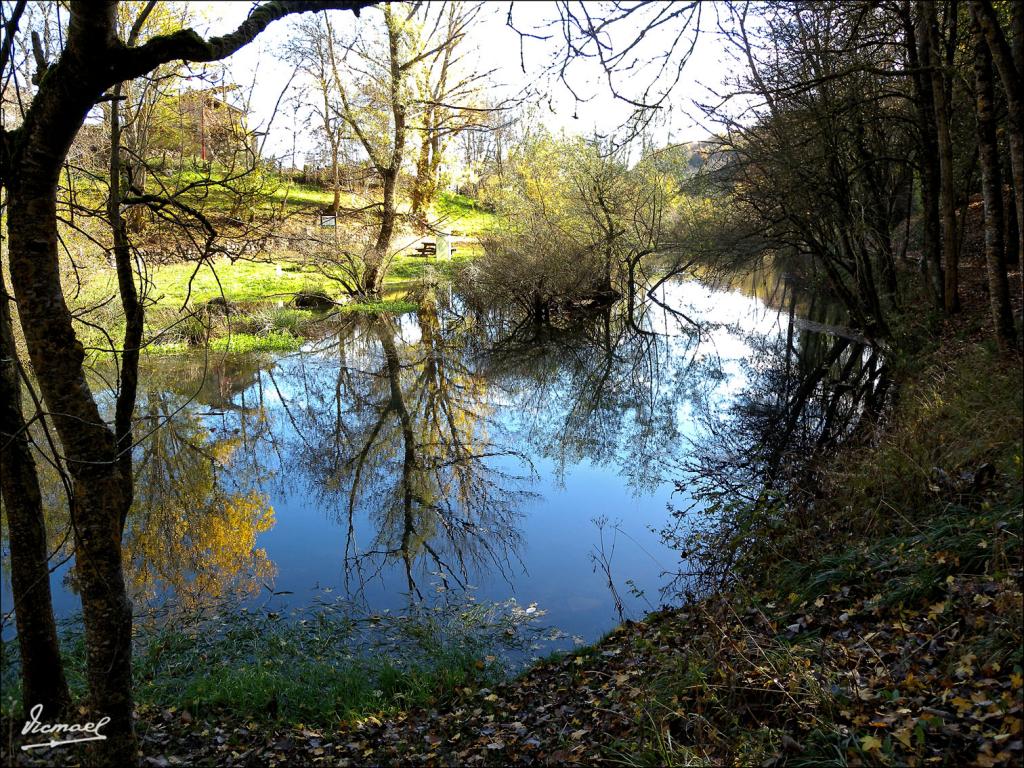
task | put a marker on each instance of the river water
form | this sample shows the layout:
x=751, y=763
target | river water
x=444, y=455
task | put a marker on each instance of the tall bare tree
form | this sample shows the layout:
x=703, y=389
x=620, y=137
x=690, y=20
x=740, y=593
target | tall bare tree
x=315, y=49
x=449, y=95
x=940, y=77
x=1007, y=49
x=992, y=191
x=92, y=60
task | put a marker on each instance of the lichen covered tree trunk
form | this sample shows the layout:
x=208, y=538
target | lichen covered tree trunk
x=67, y=92
x=42, y=672
x=98, y=486
x=992, y=193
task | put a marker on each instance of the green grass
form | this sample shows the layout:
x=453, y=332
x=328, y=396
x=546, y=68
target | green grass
x=244, y=343
x=406, y=268
x=260, y=319
x=304, y=194
x=174, y=286
x=317, y=666
x=307, y=671
x=913, y=565
x=238, y=282
x=394, y=306
x=463, y=214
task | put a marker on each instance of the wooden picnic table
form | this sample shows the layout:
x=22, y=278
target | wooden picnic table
x=428, y=248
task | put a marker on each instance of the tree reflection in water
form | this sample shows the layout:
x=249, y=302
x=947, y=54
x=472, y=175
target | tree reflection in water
x=807, y=389
x=199, y=505
x=605, y=388
x=418, y=435
x=197, y=513
x=402, y=437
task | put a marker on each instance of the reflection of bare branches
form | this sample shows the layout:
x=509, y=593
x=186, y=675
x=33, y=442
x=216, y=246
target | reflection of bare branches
x=401, y=436
x=600, y=389
x=806, y=392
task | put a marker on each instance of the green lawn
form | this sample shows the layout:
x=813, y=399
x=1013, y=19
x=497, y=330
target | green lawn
x=262, y=320
x=263, y=288
x=450, y=211
x=462, y=214
x=258, y=281
x=303, y=194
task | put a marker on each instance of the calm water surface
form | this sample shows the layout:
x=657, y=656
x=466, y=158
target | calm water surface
x=434, y=455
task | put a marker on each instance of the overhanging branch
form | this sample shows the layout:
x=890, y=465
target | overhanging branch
x=188, y=45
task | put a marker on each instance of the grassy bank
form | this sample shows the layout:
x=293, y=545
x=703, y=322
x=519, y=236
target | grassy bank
x=311, y=668
x=259, y=295
x=879, y=620
x=260, y=290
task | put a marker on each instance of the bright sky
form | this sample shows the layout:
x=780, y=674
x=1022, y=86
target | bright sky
x=499, y=46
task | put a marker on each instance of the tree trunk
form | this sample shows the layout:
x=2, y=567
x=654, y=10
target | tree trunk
x=1009, y=61
x=42, y=672
x=1017, y=131
x=1010, y=240
x=336, y=178
x=992, y=192
x=90, y=449
x=420, y=191
x=919, y=53
x=98, y=503
x=947, y=200
x=134, y=313
x=374, y=272
x=66, y=94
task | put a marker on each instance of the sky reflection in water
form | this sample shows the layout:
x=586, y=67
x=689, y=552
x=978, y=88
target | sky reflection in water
x=431, y=454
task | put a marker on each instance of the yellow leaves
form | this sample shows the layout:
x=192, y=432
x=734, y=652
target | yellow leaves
x=936, y=609
x=965, y=667
x=980, y=699
x=223, y=450
x=1017, y=680
x=962, y=705
x=204, y=551
x=982, y=601
x=870, y=744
